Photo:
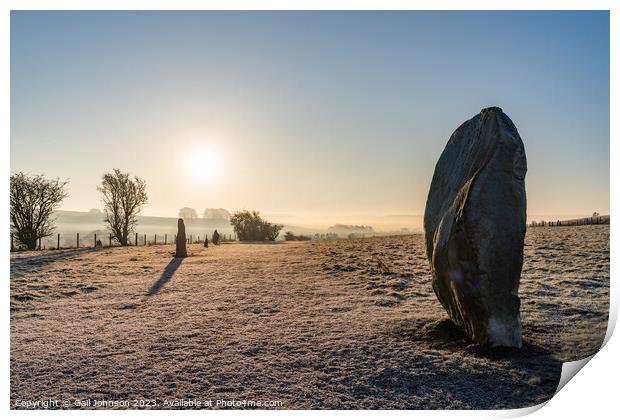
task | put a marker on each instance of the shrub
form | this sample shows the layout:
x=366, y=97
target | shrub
x=290, y=236
x=249, y=226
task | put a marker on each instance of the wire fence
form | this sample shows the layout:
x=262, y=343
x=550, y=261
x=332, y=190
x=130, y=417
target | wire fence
x=106, y=240
x=594, y=220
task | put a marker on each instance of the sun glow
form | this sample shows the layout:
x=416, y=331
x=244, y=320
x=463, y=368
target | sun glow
x=203, y=164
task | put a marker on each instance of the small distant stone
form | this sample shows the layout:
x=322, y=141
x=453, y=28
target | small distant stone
x=181, y=245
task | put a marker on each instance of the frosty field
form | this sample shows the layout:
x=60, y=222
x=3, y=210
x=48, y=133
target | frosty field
x=348, y=324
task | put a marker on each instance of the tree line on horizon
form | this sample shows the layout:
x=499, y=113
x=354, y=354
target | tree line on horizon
x=34, y=198
x=189, y=213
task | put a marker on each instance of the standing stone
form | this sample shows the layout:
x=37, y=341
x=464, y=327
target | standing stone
x=206, y=241
x=215, y=238
x=181, y=251
x=474, y=224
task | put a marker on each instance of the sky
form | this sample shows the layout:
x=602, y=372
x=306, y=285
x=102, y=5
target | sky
x=312, y=118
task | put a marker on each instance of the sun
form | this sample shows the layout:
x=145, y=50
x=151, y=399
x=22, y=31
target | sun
x=203, y=164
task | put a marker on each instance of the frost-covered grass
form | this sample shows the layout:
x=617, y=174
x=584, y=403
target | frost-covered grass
x=329, y=324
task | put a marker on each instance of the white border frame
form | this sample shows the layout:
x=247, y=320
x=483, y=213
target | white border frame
x=592, y=394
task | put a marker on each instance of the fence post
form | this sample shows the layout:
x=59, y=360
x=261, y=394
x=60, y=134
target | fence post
x=95, y=242
x=110, y=240
x=12, y=246
x=78, y=240
x=155, y=240
x=165, y=239
x=190, y=239
x=58, y=241
x=136, y=238
x=145, y=239
x=39, y=244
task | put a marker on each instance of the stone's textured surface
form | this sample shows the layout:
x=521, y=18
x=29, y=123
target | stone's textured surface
x=181, y=251
x=474, y=226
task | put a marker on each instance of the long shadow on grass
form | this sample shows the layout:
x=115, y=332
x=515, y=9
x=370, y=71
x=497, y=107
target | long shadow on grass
x=169, y=271
x=19, y=263
x=425, y=364
x=493, y=378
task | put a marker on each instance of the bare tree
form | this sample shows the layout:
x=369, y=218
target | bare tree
x=33, y=200
x=188, y=213
x=123, y=198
